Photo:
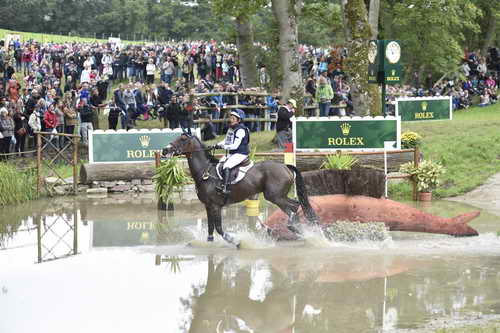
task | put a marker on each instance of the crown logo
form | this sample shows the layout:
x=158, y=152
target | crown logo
x=424, y=106
x=144, y=140
x=393, y=72
x=346, y=128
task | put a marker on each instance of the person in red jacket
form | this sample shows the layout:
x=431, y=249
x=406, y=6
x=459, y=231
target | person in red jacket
x=50, y=119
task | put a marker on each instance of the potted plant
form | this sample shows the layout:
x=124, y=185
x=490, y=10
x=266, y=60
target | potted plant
x=169, y=177
x=426, y=174
x=410, y=140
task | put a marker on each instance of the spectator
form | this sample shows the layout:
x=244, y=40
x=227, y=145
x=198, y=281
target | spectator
x=324, y=95
x=86, y=116
x=284, y=124
x=6, y=132
x=150, y=71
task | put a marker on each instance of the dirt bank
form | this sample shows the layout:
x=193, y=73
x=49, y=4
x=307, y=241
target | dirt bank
x=486, y=196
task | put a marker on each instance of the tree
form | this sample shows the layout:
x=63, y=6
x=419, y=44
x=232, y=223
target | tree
x=321, y=23
x=287, y=13
x=432, y=34
x=358, y=33
x=491, y=14
x=242, y=11
x=373, y=17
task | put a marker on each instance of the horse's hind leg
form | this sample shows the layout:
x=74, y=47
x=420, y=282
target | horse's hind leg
x=215, y=218
x=289, y=206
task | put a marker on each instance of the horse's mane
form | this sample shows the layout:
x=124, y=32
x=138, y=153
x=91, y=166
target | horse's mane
x=208, y=152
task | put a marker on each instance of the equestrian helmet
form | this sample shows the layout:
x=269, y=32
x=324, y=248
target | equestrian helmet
x=238, y=113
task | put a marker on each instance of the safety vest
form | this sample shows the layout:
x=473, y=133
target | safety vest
x=230, y=137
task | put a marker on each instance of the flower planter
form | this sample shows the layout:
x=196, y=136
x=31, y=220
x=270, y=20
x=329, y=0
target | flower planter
x=425, y=196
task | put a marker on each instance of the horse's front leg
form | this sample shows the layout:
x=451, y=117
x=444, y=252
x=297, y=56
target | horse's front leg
x=215, y=217
x=211, y=226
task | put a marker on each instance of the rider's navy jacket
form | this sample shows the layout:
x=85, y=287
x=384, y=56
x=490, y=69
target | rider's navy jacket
x=244, y=145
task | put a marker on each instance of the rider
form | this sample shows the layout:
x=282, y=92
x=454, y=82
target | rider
x=236, y=142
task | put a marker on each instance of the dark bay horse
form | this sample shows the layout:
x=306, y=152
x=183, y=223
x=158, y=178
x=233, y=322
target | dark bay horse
x=272, y=178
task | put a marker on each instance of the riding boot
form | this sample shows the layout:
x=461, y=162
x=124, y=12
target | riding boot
x=224, y=188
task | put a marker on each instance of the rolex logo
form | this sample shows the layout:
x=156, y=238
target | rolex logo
x=424, y=106
x=144, y=140
x=346, y=128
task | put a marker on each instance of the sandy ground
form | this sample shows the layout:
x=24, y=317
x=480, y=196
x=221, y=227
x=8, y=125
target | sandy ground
x=486, y=196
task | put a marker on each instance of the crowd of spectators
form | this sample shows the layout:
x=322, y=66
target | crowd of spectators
x=476, y=82
x=65, y=87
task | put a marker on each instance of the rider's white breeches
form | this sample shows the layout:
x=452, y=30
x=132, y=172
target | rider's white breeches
x=233, y=160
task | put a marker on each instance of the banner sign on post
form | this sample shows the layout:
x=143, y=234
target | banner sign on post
x=345, y=133
x=130, y=146
x=424, y=108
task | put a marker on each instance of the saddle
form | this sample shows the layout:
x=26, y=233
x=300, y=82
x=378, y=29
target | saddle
x=237, y=173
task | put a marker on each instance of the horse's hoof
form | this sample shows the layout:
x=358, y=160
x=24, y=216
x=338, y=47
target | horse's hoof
x=238, y=246
x=293, y=229
x=210, y=238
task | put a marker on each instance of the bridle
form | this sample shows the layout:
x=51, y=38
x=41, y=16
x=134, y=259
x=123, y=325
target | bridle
x=205, y=175
x=179, y=151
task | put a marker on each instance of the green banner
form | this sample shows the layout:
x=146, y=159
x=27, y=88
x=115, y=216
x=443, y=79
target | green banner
x=422, y=109
x=129, y=146
x=368, y=133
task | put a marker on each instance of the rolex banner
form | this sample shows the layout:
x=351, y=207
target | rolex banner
x=129, y=146
x=425, y=108
x=331, y=134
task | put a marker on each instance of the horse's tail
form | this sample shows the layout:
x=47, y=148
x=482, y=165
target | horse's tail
x=309, y=212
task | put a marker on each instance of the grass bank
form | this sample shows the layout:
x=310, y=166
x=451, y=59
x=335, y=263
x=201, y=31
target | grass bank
x=46, y=38
x=468, y=146
x=52, y=38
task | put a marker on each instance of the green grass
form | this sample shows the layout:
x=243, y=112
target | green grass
x=52, y=38
x=44, y=38
x=16, y=185
x=467, y=146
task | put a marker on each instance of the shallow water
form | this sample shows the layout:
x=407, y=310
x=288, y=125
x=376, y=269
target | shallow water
x=134, y=272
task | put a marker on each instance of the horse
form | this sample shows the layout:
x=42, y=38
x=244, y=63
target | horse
x=269, y=177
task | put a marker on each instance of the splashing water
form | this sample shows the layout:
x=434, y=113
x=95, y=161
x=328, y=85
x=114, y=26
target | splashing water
x=248, y=239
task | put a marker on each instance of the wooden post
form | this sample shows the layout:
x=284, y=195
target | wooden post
x=38, y=163
x=161, y=204
x=75, y=142
x=75, y=231
x=416, y=159
x=39, y=237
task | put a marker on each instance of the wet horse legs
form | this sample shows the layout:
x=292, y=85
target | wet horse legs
x=215, y=222
x=289, y=206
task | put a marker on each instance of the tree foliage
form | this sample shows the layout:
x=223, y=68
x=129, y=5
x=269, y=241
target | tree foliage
x=432, y=32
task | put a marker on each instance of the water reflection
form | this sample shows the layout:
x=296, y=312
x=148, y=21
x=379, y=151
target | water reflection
x=285, y=287
x=57, y=235
x=268, y=295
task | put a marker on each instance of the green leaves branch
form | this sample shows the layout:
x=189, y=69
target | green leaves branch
x=169, y=178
